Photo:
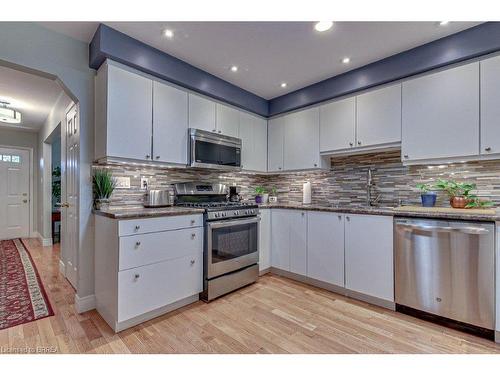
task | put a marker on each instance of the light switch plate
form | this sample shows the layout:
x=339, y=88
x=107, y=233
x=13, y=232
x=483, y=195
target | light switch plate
x=144, y=183
x=122, y=182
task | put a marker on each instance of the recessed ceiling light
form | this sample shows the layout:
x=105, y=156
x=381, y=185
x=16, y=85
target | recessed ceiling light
x=234, y=68
x=346, y=60
x=283, y=84
x=444, y=23
x=323, y=26
x=168, y=33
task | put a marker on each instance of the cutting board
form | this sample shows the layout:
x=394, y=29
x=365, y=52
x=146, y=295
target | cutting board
x=470, y=211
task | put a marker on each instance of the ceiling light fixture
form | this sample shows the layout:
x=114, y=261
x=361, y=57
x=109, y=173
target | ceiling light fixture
x=323, y=26
x=234, y=68
x=346, y=60
x=283, y=84
x=444, y=23
x=9, y=115
x=168, y=33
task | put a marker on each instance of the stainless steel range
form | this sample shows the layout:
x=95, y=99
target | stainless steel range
x=231, y=246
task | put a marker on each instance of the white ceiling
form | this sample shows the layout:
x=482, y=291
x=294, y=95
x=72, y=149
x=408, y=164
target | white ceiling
x=268, y=53
x=30, y=94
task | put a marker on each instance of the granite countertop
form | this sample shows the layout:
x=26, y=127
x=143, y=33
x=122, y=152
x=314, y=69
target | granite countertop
x=142, y=212
x=388, y=211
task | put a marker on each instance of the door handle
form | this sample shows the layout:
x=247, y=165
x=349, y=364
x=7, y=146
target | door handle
x=65, y=205
x=25, y=201
x=428, y=228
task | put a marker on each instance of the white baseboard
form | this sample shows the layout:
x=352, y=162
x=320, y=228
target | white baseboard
x=83, y=304
x=43, y=240
x=62, y=268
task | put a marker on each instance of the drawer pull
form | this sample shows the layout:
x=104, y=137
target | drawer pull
x=136, y=277
x=193, y=261
x=193, y=235
x=138, y=243
x=193, y=221
x=340, y=217
x=487, y=149
x=348, y=218
x=137, y=227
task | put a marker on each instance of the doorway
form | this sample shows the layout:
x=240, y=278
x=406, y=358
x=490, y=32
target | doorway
x=15, y=193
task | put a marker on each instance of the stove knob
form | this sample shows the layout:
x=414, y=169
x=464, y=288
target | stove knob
x=235, y=213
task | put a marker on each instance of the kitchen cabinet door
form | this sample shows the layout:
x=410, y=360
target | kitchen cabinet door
x=338, y=125
x=280, y=239
x=369, y=255
x=170, y=124
x=129, y=114
x=441, y=114
x=378, y=117
x=201, y=113
x=265, y=239
x=275, y=144
x=227, y=120
x=301, y=145
x=490, y=106
x=325, y=247
x=298, y=242
x=253, y=134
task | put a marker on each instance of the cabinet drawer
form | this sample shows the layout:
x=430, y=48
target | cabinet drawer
x=144, y=289
x=158, y=224
x=143, y=249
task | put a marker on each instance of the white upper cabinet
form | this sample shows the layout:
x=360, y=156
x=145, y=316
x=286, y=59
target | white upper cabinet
x=253, y=134
x=441, y=114
x=201, y=113
x=369, y=255
x=490, y=106
x=227, y=120
x=338, y=125
x=378, y=117
x=301, y=140
x=170, y=124
x=325, y=247
x=276, y=128
x=123, y=114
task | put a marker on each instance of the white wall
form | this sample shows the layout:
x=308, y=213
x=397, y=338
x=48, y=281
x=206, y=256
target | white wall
x=31, y=45
x=23, y=138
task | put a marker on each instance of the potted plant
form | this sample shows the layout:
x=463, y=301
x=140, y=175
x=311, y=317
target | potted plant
x=103, y=185
x=427, y=196
x=259, y=192
x=458, y=192
x=273, y=197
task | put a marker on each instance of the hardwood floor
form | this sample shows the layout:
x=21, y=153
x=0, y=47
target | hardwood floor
x=275, y=315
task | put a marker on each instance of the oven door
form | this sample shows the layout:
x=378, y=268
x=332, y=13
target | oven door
x=231, y=245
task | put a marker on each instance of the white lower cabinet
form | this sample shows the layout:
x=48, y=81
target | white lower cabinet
x=289, y=240
x=146, y=267
x=369, y=255
x=325, y=247
x=265, y=240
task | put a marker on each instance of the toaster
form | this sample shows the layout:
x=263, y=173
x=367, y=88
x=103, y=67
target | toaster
x=159, y=198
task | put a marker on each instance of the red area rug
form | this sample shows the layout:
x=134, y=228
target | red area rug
x=22, y=296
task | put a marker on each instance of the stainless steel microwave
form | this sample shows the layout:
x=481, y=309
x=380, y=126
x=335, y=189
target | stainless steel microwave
x=213, y=150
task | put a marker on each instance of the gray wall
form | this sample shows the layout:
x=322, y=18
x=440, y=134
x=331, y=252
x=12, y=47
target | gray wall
x=30, y=45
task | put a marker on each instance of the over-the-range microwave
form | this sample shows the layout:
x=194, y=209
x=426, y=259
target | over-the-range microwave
x=213, y=150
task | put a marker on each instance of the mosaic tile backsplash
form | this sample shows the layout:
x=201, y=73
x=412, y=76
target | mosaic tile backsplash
x=344, y=183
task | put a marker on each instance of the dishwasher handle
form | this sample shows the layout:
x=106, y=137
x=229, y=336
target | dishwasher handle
x=435, y=228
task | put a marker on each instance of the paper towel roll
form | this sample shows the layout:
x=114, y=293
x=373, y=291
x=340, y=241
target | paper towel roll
x=306, y=193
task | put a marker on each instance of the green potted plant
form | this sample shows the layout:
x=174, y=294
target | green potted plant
x=103, y=185
x=458, y=192
x=259, y=192
x=427, y=196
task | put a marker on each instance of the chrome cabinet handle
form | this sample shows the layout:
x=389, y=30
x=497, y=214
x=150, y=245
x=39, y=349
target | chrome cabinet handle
x=137, y=227
x=406, y=156
x=148, y=156
x=220, y=131
x=157, y=157
x=351, y=144
x=348, y=218
x=136, y=277
x=303, y=213
x=215, y=130
x=279, y=168
x=340, y=217
x=487, y=149
x=193, y=221
x=138, y=243
x=193, y=261
x=315, y=164
x=193, y=235
x=359, y=143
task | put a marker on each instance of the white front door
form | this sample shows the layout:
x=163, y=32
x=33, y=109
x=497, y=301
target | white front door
x=14, y=193
x=69, y=235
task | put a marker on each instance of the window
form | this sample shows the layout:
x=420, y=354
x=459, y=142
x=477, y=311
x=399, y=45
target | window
x=15, y=159
x=10, y=158
x=6, y=158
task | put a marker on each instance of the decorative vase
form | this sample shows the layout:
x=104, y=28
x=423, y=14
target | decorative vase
x=265, y=198
x=458, y=202
x=102, y=204
x=258, y=199
x=428, y=199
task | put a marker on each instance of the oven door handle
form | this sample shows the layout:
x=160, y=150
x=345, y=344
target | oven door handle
x=228, y=223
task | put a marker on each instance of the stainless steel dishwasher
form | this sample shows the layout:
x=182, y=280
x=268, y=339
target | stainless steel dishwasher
x=446, y=268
